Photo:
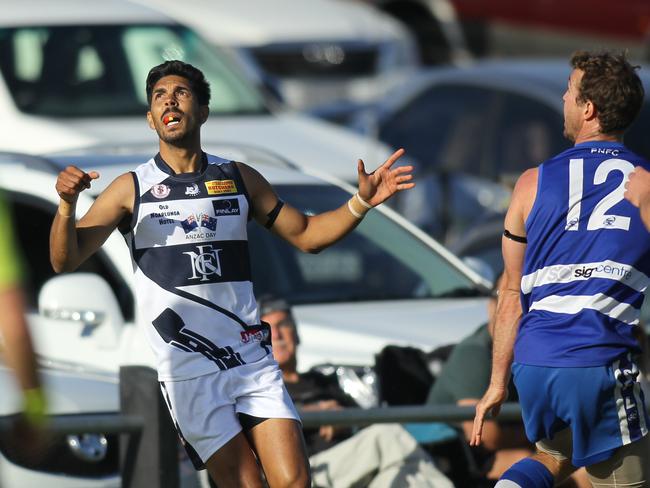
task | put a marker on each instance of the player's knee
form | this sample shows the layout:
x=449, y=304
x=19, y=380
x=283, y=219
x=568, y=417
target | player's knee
x=560, y=468
x=527, y=473
x=295, y=478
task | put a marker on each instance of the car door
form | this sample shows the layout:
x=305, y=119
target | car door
x=64, y=338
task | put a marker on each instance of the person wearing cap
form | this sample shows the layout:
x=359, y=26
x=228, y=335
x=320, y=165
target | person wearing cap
x=382, y=455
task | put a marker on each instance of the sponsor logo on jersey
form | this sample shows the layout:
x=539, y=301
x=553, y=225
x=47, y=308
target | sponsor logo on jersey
x=609, y=220
x=219, y=187
x=205, y=262
x=192, y=190
x=160, y=191
x=571, y=224
x=254, y=335
x=585, y=272
x=226, y=206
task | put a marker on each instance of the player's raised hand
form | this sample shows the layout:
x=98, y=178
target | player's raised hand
x=72, y=181
x=385, y=181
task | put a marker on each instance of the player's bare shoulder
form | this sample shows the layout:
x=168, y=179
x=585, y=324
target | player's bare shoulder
x=252, y=178
x=525, y=191
x=121, y=191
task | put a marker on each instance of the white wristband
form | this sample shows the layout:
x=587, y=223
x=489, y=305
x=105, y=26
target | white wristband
x=362, y=201
x=353, y=211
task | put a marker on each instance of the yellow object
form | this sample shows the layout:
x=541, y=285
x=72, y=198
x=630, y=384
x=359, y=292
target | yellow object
x=9, y=263
x=34, y=406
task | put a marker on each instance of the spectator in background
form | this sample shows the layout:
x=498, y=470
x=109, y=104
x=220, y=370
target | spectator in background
x=17, y=349
x=381, y=455
x=463, y=379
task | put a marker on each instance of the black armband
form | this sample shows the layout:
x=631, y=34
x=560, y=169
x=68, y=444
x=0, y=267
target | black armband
x=273, y=214
x=515, y=238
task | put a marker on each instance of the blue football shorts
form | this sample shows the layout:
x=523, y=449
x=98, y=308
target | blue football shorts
x=603, y=406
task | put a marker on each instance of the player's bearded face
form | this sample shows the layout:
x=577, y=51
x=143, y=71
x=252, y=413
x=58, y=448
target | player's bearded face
x=174, y=114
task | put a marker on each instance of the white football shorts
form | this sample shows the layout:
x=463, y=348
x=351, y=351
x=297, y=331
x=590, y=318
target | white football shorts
x=204, y=409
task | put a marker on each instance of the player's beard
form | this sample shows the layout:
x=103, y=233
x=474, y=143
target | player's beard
x=177, y=138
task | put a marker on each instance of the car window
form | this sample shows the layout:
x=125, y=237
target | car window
x=32, y=219
x=445, y=127
x=100, y=71
x=379, y=260
x=636, y=138
x=528, y=133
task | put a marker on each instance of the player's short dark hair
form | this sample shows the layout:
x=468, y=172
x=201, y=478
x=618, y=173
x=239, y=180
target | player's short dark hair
x=198, y=84
x=611, y=83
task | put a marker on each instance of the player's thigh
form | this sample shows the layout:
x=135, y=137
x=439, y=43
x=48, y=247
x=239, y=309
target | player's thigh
x=234, y=465
x=280, y=447
x=629, y=467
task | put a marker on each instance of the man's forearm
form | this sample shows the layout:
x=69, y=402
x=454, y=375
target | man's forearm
x=323, y=230
x=64, y=247
x=505, y=333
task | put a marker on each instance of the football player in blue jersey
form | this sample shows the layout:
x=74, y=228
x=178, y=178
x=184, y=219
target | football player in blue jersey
x=216, y=369
x=577, y=261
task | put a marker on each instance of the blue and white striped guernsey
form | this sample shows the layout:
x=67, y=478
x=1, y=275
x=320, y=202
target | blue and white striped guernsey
x=587, y=261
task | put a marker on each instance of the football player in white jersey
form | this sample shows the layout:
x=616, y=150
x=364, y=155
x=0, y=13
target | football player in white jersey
x=179, y=96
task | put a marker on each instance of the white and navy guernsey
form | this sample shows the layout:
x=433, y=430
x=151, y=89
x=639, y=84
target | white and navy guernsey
x=587, y=261
x=189, y=247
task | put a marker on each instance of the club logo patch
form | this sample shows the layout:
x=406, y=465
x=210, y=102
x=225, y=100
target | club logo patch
x=226, y=206
x=160, y=191
x=219, y=187
x=192, y=190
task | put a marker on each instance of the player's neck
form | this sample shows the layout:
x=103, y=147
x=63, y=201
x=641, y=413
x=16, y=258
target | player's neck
x=591, y=133
x=182, y=159
x=597, y=136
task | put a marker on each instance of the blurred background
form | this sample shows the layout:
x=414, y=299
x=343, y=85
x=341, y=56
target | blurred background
x=472, y=89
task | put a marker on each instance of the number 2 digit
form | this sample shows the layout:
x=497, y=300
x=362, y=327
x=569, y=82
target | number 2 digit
x=598, y=218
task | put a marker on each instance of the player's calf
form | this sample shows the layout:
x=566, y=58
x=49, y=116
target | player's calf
x=527, y=473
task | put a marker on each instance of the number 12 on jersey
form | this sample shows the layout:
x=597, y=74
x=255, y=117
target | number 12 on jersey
x=598, y=219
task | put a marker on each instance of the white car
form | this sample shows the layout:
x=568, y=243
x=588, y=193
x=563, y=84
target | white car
x=385, y=283
x=72, y=74
x=318, y=51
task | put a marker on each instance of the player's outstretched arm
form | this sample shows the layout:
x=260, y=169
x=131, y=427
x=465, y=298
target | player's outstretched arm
x=71, y=243
x=509, y=306
x=314, y=233
x=637, y=191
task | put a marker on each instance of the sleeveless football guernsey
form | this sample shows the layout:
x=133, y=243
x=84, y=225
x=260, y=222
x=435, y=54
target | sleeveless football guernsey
x=587, y=261
x=189, y=246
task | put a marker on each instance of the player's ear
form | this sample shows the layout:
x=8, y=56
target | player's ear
x=150, y=121
x=589, y=110
x=204, y=111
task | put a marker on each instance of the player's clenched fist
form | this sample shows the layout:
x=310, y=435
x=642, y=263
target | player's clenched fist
x=72, y=181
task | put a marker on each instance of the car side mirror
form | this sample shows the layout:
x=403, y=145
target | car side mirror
x=84, y=298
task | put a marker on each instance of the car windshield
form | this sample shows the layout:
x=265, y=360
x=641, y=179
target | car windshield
x=379, y=260
x=100, y=71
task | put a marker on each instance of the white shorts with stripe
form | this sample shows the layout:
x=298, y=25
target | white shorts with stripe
x=204, y=409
